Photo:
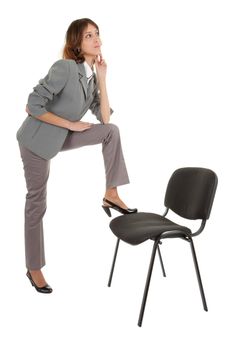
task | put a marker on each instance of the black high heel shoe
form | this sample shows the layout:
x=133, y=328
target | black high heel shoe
x=116, y=207
x=44, y=289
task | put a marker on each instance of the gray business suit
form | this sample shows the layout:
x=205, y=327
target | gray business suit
x=63, y=91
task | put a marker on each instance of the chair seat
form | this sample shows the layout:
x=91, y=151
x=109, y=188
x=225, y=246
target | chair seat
x=139, y=227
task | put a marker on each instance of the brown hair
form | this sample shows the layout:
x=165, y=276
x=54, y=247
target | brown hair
x=74, y=37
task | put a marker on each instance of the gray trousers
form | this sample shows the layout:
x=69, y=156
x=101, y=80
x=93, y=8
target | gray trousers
x=36, y=171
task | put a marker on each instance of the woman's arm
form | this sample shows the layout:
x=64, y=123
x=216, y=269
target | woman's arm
x=54, y=119
x=47, y=88
x=101, y=69
x=104, y=102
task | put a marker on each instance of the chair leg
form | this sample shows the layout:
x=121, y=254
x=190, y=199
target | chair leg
x=147, y=283
x=113, y=263
x=198, y=275
x=161, y=262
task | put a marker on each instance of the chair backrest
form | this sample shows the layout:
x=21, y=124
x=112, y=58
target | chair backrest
x=190, y=192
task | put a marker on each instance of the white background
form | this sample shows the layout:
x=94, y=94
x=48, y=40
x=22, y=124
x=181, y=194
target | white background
x=170, y=84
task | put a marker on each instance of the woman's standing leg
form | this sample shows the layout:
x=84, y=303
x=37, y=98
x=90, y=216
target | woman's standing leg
x=36, y=171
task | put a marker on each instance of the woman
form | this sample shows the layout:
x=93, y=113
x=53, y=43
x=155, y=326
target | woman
x=55, y=109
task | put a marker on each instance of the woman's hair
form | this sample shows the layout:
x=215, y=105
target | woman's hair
x=74, y=37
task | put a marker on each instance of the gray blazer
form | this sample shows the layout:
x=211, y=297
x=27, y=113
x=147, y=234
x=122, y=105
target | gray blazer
x=63, y=91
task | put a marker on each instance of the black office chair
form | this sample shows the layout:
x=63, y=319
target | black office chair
x=190, y=194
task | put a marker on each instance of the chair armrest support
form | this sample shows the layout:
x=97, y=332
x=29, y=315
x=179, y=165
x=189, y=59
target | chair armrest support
x=201, y=228
x=166, y=211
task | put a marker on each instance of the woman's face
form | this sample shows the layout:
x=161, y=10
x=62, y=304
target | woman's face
x=91, y=42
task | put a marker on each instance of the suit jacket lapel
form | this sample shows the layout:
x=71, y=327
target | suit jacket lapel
x=88, y=88
x=83, y=78
x=91, y=86
x=83, y=81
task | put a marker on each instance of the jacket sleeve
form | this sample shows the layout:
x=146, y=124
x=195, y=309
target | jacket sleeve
x=95, y=106
x=48, y=87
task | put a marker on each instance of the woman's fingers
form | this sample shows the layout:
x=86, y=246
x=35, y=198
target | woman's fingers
x=85, y=124
x=84, y=127
x=81, y=126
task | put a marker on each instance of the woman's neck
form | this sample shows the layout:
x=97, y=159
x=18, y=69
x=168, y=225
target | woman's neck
x=90, y=60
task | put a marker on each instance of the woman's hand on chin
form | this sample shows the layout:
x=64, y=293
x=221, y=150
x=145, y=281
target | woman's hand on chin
x=101, y=67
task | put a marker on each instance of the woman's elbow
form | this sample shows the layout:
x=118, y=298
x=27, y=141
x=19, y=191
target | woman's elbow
x=105, y=120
